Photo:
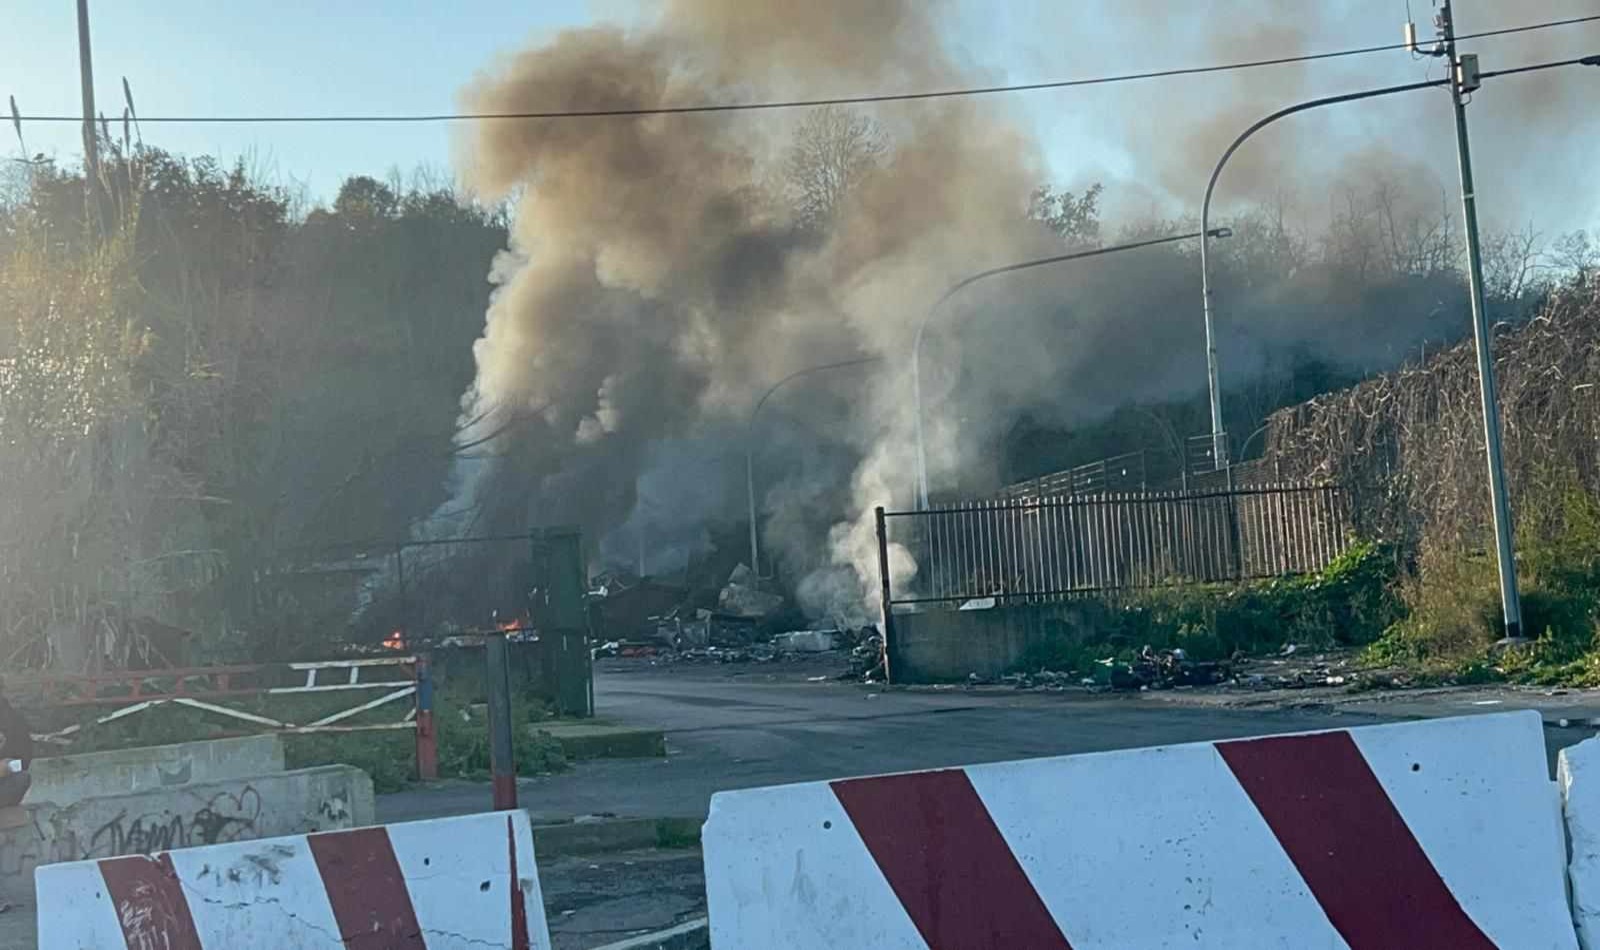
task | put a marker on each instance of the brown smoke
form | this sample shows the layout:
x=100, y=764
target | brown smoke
x=658, y=280
x=656, y=284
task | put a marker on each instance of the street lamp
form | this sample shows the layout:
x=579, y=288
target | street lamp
x=1219, y=438
x=1464, y=78
x=958, y=286
x=750, y=441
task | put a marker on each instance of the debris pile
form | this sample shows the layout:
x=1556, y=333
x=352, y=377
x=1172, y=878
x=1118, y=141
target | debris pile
x=742, y=621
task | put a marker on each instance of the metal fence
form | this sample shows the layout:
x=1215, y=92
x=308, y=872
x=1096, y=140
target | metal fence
x=1128, y=472
x=1041, y=549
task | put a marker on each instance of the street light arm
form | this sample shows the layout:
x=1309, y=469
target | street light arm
x=960, y=285
x=1219, y=453
x=750, y=444
x=1216, y=173
x=1580, y=61
x=859, y=361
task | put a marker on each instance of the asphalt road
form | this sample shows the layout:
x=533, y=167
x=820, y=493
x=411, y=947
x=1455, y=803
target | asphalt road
x=739, y=726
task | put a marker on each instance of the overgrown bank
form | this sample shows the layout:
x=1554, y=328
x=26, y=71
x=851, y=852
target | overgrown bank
x=1434, y=617
x=1352, y=602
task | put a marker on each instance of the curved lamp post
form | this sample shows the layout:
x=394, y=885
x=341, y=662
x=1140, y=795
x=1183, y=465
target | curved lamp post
x=1464, y=78
x=1219, y=448
x=960, y=285
x=750, y=441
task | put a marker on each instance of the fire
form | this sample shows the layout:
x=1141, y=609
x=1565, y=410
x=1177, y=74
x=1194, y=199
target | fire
x=514, y=625
x=396, y=640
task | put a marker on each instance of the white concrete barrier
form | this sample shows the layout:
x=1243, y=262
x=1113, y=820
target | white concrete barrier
x=448, y=884
x=68, y=779
x=325, y=798
x=1439, y=834
x=1578, y=773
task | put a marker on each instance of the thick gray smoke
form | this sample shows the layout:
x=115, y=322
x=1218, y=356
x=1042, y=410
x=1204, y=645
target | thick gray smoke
x=662, y=275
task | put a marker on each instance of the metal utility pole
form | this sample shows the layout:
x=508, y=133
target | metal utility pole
x=91, y=145
x=1465, y=78
x=1219, y=436
x=502, y=760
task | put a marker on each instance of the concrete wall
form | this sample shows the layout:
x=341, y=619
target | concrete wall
x=70, y=778
x=935, y=646
x=285, y=803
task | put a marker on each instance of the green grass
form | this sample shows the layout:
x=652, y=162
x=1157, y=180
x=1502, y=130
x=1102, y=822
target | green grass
x=1454, y=616
x=1351, y=602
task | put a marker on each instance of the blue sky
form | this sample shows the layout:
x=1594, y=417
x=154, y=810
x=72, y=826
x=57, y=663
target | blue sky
x=394, y=56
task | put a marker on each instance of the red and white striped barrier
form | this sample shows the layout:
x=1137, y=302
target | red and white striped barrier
x=428, y=885
x=1440, y=834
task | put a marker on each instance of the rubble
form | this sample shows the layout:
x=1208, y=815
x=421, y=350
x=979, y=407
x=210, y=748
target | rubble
x=748, y=602
x=805, y=641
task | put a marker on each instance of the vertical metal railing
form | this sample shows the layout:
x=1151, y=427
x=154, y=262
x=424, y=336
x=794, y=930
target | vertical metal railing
x=1045, y=548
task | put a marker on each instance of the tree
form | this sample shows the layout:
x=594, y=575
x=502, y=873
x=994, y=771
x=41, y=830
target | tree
x=833, y=150
x=1074, y=218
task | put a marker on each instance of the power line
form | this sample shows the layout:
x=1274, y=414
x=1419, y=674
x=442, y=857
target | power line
x=810, y=103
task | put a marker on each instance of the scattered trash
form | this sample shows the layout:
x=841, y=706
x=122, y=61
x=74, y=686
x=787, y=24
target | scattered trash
x=804, y=641
x=1166, y=669
x=1288, y=649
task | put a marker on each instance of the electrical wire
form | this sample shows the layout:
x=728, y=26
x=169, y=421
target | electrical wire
x=810, y=103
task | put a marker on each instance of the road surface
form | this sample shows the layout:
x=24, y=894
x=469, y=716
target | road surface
x=742, y=725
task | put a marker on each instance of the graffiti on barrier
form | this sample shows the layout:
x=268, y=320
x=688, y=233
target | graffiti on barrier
x=225, y=817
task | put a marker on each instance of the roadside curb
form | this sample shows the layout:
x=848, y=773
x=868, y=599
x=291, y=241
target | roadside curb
x=581, y=741
x=692, y=935
x=614, y=834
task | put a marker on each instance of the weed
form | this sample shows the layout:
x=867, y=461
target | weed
x=1352, y=601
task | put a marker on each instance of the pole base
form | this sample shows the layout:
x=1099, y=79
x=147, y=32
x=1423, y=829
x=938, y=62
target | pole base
x=1508, y=643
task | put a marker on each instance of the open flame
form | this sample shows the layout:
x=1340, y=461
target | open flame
x=396, y=640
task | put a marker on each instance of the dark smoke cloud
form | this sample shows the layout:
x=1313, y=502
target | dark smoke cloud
x=657, y=281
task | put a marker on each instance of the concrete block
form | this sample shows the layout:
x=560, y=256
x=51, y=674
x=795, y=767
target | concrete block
x=941, y=646
x=592, y=740
x=327, y=798
x=1578, y=774
x=69, y=778
x=615, y=834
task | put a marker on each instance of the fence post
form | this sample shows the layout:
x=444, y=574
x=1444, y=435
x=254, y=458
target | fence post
x=501, y=764
x=1235, y=538
x=883, y=575
x=427, y=739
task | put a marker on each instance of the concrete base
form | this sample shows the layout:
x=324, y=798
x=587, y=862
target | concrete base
x=71, y=778
x=267, y=806
x=592, y=740
x=942, y=646
x=614, y=834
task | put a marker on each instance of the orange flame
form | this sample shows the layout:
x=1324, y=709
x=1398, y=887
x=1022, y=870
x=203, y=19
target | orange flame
x=395, y=641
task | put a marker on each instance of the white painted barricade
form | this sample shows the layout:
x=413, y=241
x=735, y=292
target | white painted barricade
x=1578, y=773
x=448, y=884
x=1440, y=834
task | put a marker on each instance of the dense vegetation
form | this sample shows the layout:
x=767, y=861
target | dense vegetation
x=215, y=387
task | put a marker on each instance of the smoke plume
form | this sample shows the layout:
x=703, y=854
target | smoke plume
x=659, y=279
